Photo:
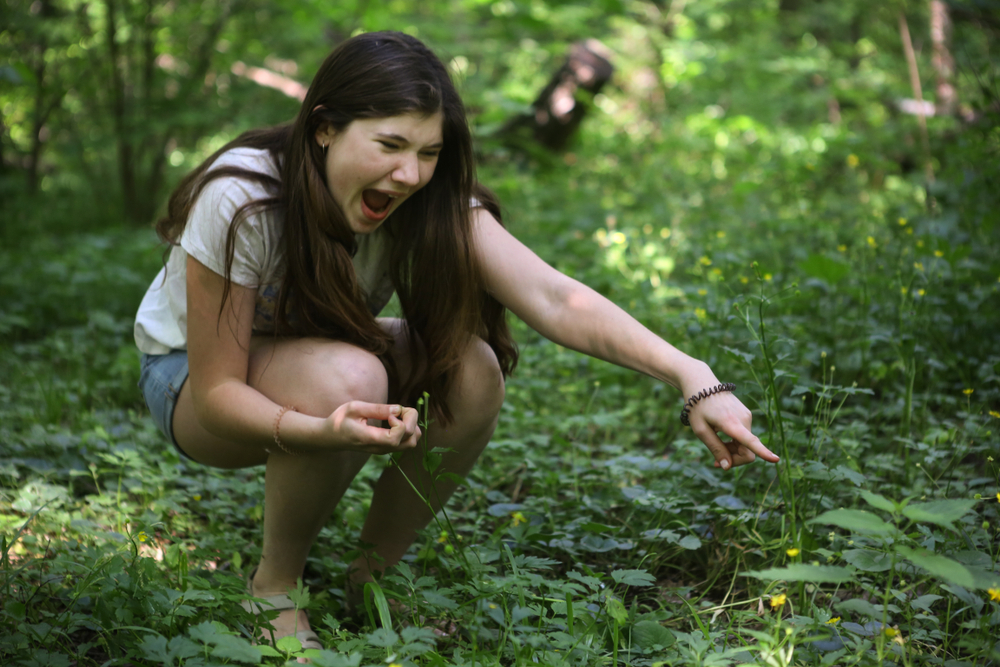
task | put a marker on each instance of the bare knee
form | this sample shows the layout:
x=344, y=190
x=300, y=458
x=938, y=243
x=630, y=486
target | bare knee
x=317, y=375
x=350, y=374
x=480, y=387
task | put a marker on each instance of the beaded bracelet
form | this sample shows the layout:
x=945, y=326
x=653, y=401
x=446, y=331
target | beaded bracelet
x=277, y=426
x=704, y=393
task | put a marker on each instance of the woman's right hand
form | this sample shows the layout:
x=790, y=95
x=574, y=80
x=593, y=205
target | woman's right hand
x=349, y=428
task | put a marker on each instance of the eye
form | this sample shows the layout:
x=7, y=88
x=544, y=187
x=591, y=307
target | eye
x=389, y=144
x=431, y=154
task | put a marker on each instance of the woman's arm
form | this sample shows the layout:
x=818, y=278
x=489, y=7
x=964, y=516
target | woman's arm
x=571, y=314
x=229, y=408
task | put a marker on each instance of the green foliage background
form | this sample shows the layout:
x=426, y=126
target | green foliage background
x=746, y=187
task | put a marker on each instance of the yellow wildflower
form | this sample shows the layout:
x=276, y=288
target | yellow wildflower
x=968, y=391
x=778, y=601
x=443, y=537
x=720, y=235
x=717, y=271
x=396, y=664
x=744, y=280
x=921, y=292
x=871, y=242
x=517, y=519
x=842, y=248
x=768, y=276
x=994, y=594
x=909, y=230
x=700, y=313
x=920, y=243
x=834, y=620
x=704, y=261
x=998, y=497
x=902, y=222
x=994, y=414
x=664, y=233
x=903, y=291
x=890, y=632
x=919, y=266
x=853, y=161
x=793, y=552
x=197, y=497
x=142, y=536
x=938, y=253
x=702, y=292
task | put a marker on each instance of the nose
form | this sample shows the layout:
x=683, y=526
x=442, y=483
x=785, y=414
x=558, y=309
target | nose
x=407, y=172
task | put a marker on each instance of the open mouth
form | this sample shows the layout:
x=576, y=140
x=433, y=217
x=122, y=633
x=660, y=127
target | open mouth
x=376, y=202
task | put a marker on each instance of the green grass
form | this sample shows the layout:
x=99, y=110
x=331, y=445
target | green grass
x=856, y=311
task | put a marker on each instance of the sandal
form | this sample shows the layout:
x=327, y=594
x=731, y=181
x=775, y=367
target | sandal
x=279, y=602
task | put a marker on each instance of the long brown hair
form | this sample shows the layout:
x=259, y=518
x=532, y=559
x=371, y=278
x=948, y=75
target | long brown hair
x=433, y=263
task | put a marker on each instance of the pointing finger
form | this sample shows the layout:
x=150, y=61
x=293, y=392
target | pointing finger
x=715, y=445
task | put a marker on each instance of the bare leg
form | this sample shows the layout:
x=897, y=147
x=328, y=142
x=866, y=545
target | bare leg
x=397, y=512
x=315, y=376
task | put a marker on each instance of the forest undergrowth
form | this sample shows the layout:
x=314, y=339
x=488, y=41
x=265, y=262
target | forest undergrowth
x=854, y=305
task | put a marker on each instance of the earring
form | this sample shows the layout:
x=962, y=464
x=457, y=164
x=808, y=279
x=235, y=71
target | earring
x=325, y=147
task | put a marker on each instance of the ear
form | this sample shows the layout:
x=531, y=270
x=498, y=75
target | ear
x=325, y=134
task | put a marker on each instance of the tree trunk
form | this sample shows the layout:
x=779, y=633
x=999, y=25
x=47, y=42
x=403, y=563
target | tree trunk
x=123, y=140
x=37, y=123
x=942, y=60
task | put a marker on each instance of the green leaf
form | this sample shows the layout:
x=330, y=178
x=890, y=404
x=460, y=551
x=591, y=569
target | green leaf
x=924, y=602
x=843, y=472
x=649, y=634
x=154, y=647
x=817, y=574
x=206, y=633
x=411, y=634
x=748, y=357
x=331, y=659
x=299, y=595
x=375, y=597
x=868, y=560
x=984, y=579
x=820, y=266
x=690, y=542
x=858, y=606
x=288, y=644
x=239, y=649
x=878, y=501
x=182, y=647
x=939, y=566
x=616, y=609
x=859, y=521
x=383, y=637
x=633, y=577
x=268, y=651
x=940, y=512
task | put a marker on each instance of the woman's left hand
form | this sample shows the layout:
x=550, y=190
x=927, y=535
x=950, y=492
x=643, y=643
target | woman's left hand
x=724, y=413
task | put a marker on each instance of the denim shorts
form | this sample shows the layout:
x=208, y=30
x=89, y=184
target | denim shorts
x=161, y=379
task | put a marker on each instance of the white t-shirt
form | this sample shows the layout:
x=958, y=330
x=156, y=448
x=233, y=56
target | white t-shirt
x=258, y=261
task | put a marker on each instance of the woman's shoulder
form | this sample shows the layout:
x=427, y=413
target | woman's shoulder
x=257, y=160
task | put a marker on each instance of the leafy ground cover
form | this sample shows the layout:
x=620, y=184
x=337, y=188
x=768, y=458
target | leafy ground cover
x=856, y=308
